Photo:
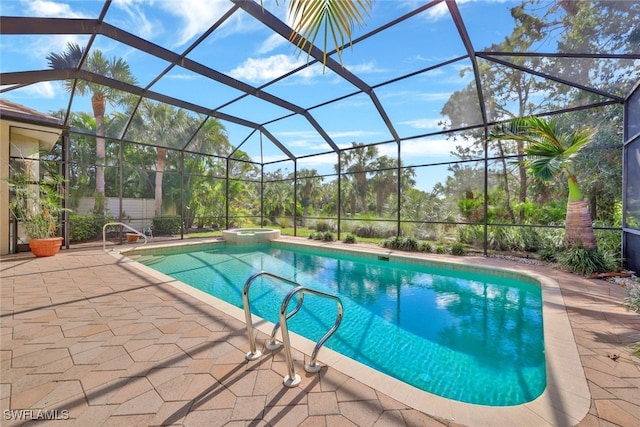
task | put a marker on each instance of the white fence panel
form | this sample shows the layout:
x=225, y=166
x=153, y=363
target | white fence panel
x=137, y=213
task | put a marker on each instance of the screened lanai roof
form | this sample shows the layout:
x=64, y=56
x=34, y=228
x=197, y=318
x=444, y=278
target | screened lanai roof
x=414, y=70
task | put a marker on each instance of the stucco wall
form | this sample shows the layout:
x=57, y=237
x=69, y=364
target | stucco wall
x=4, y=188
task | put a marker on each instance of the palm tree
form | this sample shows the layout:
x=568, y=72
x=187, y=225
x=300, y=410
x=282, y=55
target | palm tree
x=335, y=17
x=550, y=153
x=162, y=124
x=309, y=187
x=117, y=69
x=357, y=161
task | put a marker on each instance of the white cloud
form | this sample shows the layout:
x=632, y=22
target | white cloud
x=428, y=147
x=260, y=70
x=41, y=46
x=183, y=76
x=138, y=19
x=423, y=123
x=196, y=16
x=365, y=68
x=437, y=12
x=351, y=134
x=51, y=9
x=46, y=90
x=271, y=43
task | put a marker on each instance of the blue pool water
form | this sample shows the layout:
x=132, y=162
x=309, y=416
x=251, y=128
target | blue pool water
x=466, y=336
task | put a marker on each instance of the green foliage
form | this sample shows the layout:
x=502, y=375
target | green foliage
x=392, y=243
x=458, y=249
x=584, y=261
x=323, y=226
x=633, y=302
x=166, y=225
x=328, y=236
x=373, y=230
x=548, y=254
x=501, y=239
x=471, y=209
x=37, y=205
x=609, y=240
x=552, y=212
x=441, y=249
x=529, y=239
x=426, y=247
x=283, y=222
x=402, y=243
x=350, y=238
x=86, y=227
x=410, y=243
x=471, y=235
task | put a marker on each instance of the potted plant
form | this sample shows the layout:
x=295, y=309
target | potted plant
x=38, y=207
x=132, y=237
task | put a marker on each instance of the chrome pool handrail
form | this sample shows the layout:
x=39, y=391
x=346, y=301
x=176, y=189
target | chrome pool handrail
x=104, y=233
x=253, y=352
x=292, y=379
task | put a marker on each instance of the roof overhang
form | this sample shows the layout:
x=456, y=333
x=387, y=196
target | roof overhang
x=30, y=123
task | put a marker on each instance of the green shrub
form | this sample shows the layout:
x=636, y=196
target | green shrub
x=283, y=222
x=584, y=261
x=410, y=244
x=365, y=230
x=457, y=249
x=425, y=247
x=166, y=225
x=370, y=230
x=471, y=235
x=350, y=238
x=323, y=226
x=404, y=244
x=392, y=243
x=327, y=236
x=441, y=249
x=86, y=227
x=316, y=235
x=548, y=254
x=633, y=300
x=610, y=241
x=528, y=239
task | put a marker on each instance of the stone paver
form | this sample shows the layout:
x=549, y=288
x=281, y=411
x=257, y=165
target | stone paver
x=85, y=333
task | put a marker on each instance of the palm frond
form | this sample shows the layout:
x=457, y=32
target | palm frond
x=336, y=18
x=549, y=146
x=70, y=58
x=578, y=140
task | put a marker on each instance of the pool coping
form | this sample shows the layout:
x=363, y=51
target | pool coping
x=565, y=400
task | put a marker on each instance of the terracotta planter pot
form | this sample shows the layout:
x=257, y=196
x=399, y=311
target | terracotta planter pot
x=45, y=247
x=132, y=237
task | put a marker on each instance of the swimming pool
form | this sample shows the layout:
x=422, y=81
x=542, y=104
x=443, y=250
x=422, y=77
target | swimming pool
x=470, y=337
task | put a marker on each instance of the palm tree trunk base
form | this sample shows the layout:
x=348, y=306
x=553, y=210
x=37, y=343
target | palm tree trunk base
x=579, y=227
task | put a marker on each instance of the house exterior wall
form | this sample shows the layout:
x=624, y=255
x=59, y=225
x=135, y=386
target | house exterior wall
x=4, y=188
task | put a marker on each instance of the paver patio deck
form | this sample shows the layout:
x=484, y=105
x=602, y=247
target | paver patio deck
x=103, y=343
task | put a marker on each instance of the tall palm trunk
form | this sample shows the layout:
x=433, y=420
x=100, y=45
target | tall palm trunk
x=161, y=157
x=98, y=102
x=578, y=227
x=578, y=223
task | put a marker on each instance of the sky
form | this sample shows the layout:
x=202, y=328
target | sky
x=244, y=49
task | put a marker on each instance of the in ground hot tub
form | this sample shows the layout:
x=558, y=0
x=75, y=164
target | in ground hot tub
x=249, y=236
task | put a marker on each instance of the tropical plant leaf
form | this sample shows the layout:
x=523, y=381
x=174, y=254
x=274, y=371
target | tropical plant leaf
x=334, y=18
